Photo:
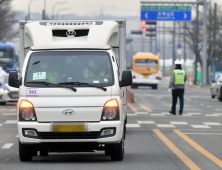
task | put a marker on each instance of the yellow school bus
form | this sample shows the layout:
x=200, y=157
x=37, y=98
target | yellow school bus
x=145, y=70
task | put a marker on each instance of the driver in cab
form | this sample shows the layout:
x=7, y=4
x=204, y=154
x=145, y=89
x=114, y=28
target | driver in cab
x=93, y=70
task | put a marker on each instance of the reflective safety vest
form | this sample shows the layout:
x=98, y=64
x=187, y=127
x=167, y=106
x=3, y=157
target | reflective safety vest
x=179, y=76
x=87, y=73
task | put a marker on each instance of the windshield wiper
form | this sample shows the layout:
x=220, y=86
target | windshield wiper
x=47, y=84
x=82, y=83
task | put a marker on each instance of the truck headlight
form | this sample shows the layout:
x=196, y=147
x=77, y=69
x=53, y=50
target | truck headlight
x=4, y=90
x=27, y=111
x=110, y=111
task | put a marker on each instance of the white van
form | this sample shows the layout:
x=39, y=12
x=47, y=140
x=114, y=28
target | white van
x=72, y=94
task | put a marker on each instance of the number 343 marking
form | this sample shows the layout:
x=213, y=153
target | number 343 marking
x=32, y=92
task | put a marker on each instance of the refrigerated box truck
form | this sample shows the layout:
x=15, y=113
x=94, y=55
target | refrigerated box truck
x=72, y=87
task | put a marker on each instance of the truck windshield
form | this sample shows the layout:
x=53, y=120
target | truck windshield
x=6, y=56
x=64, y=67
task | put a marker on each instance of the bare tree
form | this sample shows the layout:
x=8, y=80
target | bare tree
x=7, y=21
x=214, y=34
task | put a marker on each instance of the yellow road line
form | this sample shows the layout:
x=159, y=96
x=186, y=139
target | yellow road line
x=131, y=106
x=143, y=106
x=180, y=154
x=199, y=148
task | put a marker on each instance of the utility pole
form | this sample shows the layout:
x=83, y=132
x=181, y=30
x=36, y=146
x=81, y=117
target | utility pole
x=185, y=48
x=204, y=80
x=197, y=26
x=174, y=43
x=156, y=39
x=215, y=29
x=151, y=44
x=164, y=50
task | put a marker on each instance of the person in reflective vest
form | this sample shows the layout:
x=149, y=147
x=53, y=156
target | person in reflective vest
x=177, y=83
x=93, y=71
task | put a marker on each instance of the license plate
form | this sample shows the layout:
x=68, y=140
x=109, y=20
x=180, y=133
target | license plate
x=69, y=127
x=145, y=76
x=15, y=95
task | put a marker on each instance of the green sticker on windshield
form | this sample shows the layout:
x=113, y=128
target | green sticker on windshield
x=95, y=81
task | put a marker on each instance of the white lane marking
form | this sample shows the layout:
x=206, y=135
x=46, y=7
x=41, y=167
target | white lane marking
x=165, y=113
x=194, y=113
x=213, y=115
x=187, y=115
x=211, y=123
x=0, y=125
x=131, y=114
x=187, y=98
x=11, y=122
x=12, y=110
x=9, y=114
x=156, y=114
x=201, y=104
x=132, y=125
x=142, y=113
x=208, y=106
x=7, y=145
x=217, y=109
x=201, y=126
x=203, y=133
x=17, y=136
x=178, y=123
x=166, y=125
x=146, y=122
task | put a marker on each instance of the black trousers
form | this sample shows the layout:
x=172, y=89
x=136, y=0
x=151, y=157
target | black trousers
x=177, y=93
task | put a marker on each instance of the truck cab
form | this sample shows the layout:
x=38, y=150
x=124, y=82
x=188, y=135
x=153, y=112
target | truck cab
x=72, y=87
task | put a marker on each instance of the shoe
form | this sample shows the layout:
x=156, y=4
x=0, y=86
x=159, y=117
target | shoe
x=180, y=113
x=172, y=113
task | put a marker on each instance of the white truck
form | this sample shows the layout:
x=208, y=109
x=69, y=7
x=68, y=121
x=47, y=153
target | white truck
x=72, y=87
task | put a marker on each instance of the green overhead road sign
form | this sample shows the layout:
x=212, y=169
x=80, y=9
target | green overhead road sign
x=165, y=8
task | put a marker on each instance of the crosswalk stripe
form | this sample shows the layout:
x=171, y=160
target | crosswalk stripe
x=199, y=148
x=9, y=114
x=11, y=122
x=7, y=145
x=132, y=125
x=180, y=154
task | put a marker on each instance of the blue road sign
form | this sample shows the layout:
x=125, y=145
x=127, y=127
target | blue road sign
x=166, y=15
x=158, y=50
x=179, y=46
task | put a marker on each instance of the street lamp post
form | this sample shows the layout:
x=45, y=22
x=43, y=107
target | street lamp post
x=55, y=6
x=60, y=11
x=29, y=8
x=44, y=14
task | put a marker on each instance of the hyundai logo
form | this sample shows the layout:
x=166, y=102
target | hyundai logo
x=70, y=33
x=68, y=112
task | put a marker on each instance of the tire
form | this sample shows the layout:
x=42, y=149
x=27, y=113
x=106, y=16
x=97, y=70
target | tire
x=108, y=152
x=219, y=96
x=118, y=151
x=44, y=153
x=154, y=86
x=34, y=153
x=133, y=86
x=212, y=96
x=25, y=152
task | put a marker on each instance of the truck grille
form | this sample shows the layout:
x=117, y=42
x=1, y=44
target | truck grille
x=13, y=94
x=69, y=135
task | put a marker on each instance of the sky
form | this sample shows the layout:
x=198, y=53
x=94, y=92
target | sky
x=92, y=8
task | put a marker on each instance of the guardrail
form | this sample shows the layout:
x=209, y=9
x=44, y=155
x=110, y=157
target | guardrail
x=130, y=95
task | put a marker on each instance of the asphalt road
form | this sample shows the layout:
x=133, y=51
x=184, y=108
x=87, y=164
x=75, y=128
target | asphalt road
x=155, y=140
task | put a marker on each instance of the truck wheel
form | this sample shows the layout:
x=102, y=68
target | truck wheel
x=25, y=152
x=154, y=86
x=118, y=151
x=44, y=153
x=108, y=152
x=219, y=96
x=34, y=153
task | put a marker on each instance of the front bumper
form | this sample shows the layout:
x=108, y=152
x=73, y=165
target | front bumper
x=8, y=97
x=92, y=126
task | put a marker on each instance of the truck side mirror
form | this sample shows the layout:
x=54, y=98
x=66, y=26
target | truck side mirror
x=13, y=79
x=126, y=79
x=213, y=81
